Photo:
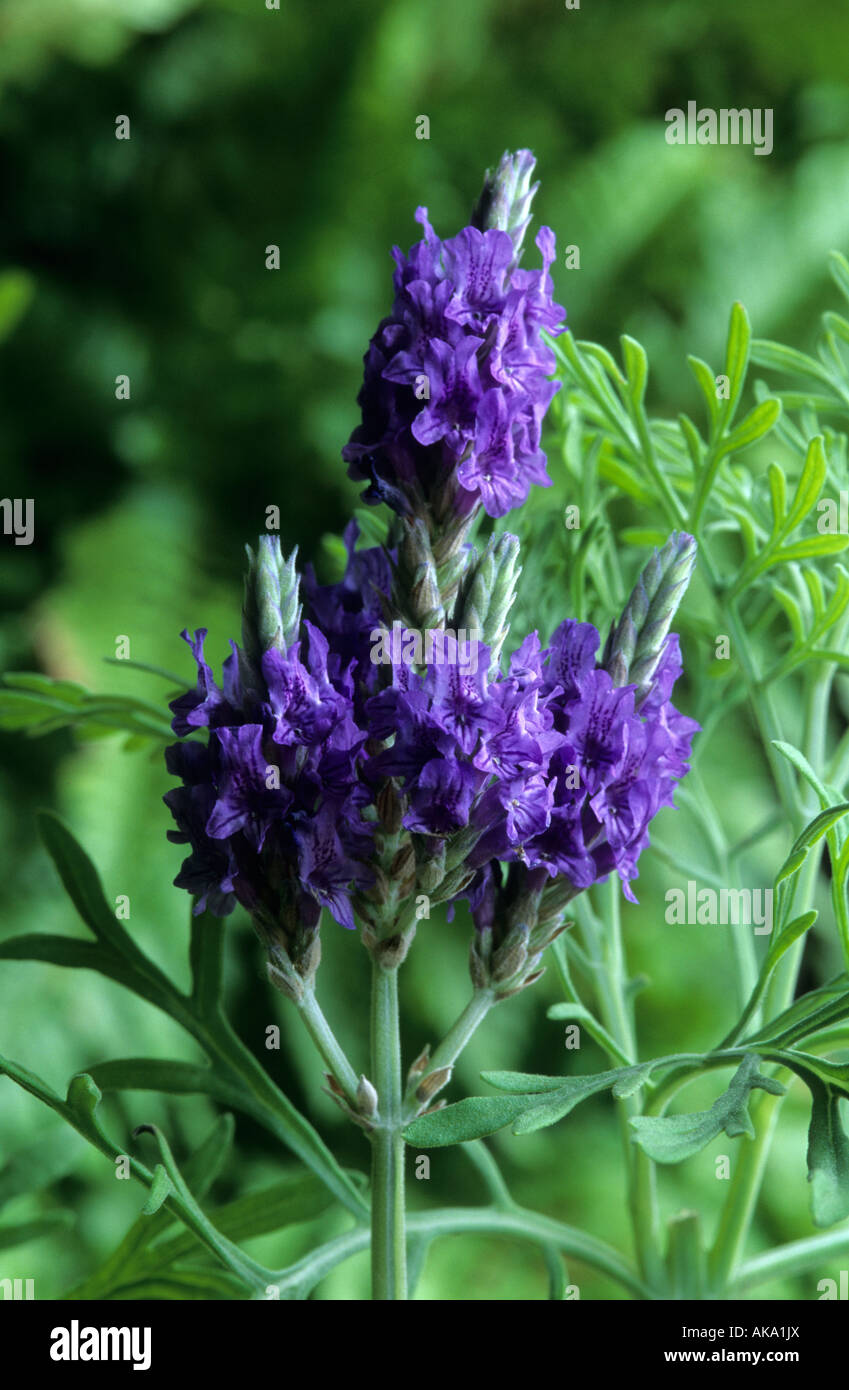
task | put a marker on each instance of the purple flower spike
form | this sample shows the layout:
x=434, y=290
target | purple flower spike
x=272, y=805
x=456, y=379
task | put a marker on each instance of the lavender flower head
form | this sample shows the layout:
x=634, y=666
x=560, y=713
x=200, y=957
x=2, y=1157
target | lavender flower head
x=272, y=804
x=457, y=377
x=332, y=777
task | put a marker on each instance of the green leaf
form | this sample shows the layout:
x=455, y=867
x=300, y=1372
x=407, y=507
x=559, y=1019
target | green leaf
x=791, y=865
x=203, y=1166
x=736, y=357
x=160, y=1190
x=38, y=704
x=836, y=325
x=205, y=954
x=83, y=886
x=200, y=1170
x=707, y=382
x=68, y=952
x=636, y=368
x=178, y=682
x=612, y=470
x=81, y=1104
x=541, y=1113
x=839, y=269
x=374, y=529
x=184, y=1285
x=809, y=486
x=828, y=1157
x=801, y=764
x=810, y=548
x=784, y=886
x=531, y=1103
x=290, y=1201
x=791, y=933
x=523, y=1082
x=781, y=943
x=760, y=420
x=169, y=1077
x=778, y=496
x=64, y=692
x=466, y=1119
x=828, y=1144
x=606, y=359
x=815, y=1011
x=122, y=960
x=672, y=1138
x=22, y=709
x=780, y=358
x=78, y=1109
x=253, y=1273
x=693, y=441
x=822, y=823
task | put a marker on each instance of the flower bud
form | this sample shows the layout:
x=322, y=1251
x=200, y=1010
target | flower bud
x=366, y=1098
x=390, y=809
x=271, y=614
x=488, y=593
x=416, y=585
x=505, y=202
x=635, y=645
x=431, y=867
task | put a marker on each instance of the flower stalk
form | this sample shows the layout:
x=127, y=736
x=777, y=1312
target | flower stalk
x=388, y=1229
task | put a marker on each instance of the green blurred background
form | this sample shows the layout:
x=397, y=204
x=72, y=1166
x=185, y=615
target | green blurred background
x=146, y=257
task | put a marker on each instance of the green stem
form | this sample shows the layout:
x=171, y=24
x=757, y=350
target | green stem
x=795, y=1258
x=746, y=1183
x=388, y=1235
x=610, y=976
x=596, y=1030
x=299, y=1278
x=273, y=1109
x=446, y=1054
x=325, y=1041
x=740, y=1203
x=489, y=1170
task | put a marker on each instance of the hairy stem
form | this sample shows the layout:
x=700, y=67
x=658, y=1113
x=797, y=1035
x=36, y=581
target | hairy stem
x=514, y=1225
x=458, y=1035
x=611, y=983
x=746, y=1183
x=328, y=1048
x=796, y=1258
x=388, y=1234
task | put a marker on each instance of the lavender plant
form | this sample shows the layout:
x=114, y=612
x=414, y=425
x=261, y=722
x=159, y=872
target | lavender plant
x=390, y=742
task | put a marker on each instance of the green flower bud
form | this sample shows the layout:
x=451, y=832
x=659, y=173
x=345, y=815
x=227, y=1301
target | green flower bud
x=505, y=202
x=636, y=642
x=271, y=614
x=416, y=586
x=489, y=592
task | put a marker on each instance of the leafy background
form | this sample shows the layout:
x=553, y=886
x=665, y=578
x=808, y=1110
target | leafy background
x=146, y=257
